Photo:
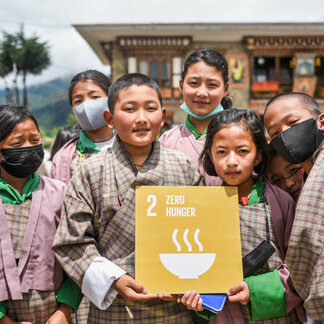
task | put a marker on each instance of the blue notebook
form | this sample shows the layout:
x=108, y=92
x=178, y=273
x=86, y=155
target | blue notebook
x=213, y=302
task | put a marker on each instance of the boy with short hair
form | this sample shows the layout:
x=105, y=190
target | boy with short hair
x=296, y=126
x=95, y=242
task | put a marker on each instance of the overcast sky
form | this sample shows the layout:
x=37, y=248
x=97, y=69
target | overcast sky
x=52, y=21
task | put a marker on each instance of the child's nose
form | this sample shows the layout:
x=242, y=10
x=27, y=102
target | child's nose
x=231, y=159
x=202, y=90
x=289, y=183
x=141, y=115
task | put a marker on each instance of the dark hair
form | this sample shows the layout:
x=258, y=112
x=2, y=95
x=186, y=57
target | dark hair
x=272, y=152
x=126, y=81
x=306, y=101
x=10, y=116
x=102, y=80
x=63, y=136
x=251, y=122
x=211, y=58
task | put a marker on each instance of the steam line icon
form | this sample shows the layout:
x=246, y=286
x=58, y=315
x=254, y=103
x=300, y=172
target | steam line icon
x=185, y=239
x=187, y=265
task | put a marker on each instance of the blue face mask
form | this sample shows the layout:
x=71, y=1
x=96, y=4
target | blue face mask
x=186, y=109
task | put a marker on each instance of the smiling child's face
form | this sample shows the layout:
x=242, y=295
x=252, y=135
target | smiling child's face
x=137, y=116
x=203, y=88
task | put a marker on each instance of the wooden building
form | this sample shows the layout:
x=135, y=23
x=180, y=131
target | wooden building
x=264, y=58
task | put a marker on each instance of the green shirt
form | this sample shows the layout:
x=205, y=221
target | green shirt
x=192, y=128
x=10, y=196
x=85, y=145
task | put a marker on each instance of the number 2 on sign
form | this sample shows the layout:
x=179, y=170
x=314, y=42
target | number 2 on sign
x=151, y=199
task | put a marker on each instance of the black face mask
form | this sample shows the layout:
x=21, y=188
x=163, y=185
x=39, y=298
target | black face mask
x=299, y=142
x=20, y=162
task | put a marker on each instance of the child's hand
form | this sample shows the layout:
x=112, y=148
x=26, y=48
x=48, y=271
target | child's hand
x=131, y=290
x=168, y=297
x=192, y=300
x=239, y=293
x=6, y=320
x=61, y=316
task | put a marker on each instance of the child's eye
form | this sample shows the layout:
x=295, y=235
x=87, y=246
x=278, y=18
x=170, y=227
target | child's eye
x=152, y=108
x=129, y=109
x=293, y=122
x=243, y=151
x=293, y=171
x=193, y=83
x=273, y=135
x=220, y=152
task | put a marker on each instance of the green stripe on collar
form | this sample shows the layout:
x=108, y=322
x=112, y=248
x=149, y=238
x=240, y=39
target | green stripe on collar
x=192, y=128
x=85, y=145
x=11, y=196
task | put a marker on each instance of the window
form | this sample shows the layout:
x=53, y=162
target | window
x=165, y=71
x=143, y=67
x=131, y=64
x=271, y=75
x=155, y=72
x=264, y=69
x=166, y=74
x=319, y=72
x=176, y=65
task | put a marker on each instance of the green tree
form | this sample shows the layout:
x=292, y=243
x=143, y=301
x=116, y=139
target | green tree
x=29, y=54
x=9, y=57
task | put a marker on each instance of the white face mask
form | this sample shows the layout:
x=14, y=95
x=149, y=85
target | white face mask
x=89, y=114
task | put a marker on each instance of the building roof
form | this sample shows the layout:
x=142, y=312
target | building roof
x=96, y=34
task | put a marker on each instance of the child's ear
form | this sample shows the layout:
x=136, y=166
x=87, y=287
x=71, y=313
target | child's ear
x=258, y=158
x=164, y=113
x=109, y=119
x=320, y=122
x=226, y=89
x=210, y=155
x=180, y=86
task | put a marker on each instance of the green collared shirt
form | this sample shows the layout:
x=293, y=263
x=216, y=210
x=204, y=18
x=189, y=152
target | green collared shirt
x=256, y=192
x=11, y=196
x=192, y=128
x=85, y=145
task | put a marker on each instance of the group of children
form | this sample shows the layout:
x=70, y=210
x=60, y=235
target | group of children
x=93, y=230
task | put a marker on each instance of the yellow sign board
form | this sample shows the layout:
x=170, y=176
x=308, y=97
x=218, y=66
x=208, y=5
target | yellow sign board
x=187, y=238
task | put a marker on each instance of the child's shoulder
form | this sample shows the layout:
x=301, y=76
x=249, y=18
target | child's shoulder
x=97, y=160
x=66, y=149
x=178, y=161
x=174, y=155
x=92, y=169
x=53, y=192
x=172, y=133
x=52, y=184
x=282, y=197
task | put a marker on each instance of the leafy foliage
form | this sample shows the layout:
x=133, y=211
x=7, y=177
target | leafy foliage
x=29, y=55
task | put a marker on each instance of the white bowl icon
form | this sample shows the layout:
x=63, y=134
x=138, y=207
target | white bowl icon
x=187, y=265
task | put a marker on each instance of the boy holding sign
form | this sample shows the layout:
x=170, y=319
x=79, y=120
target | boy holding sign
x=95, y=242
